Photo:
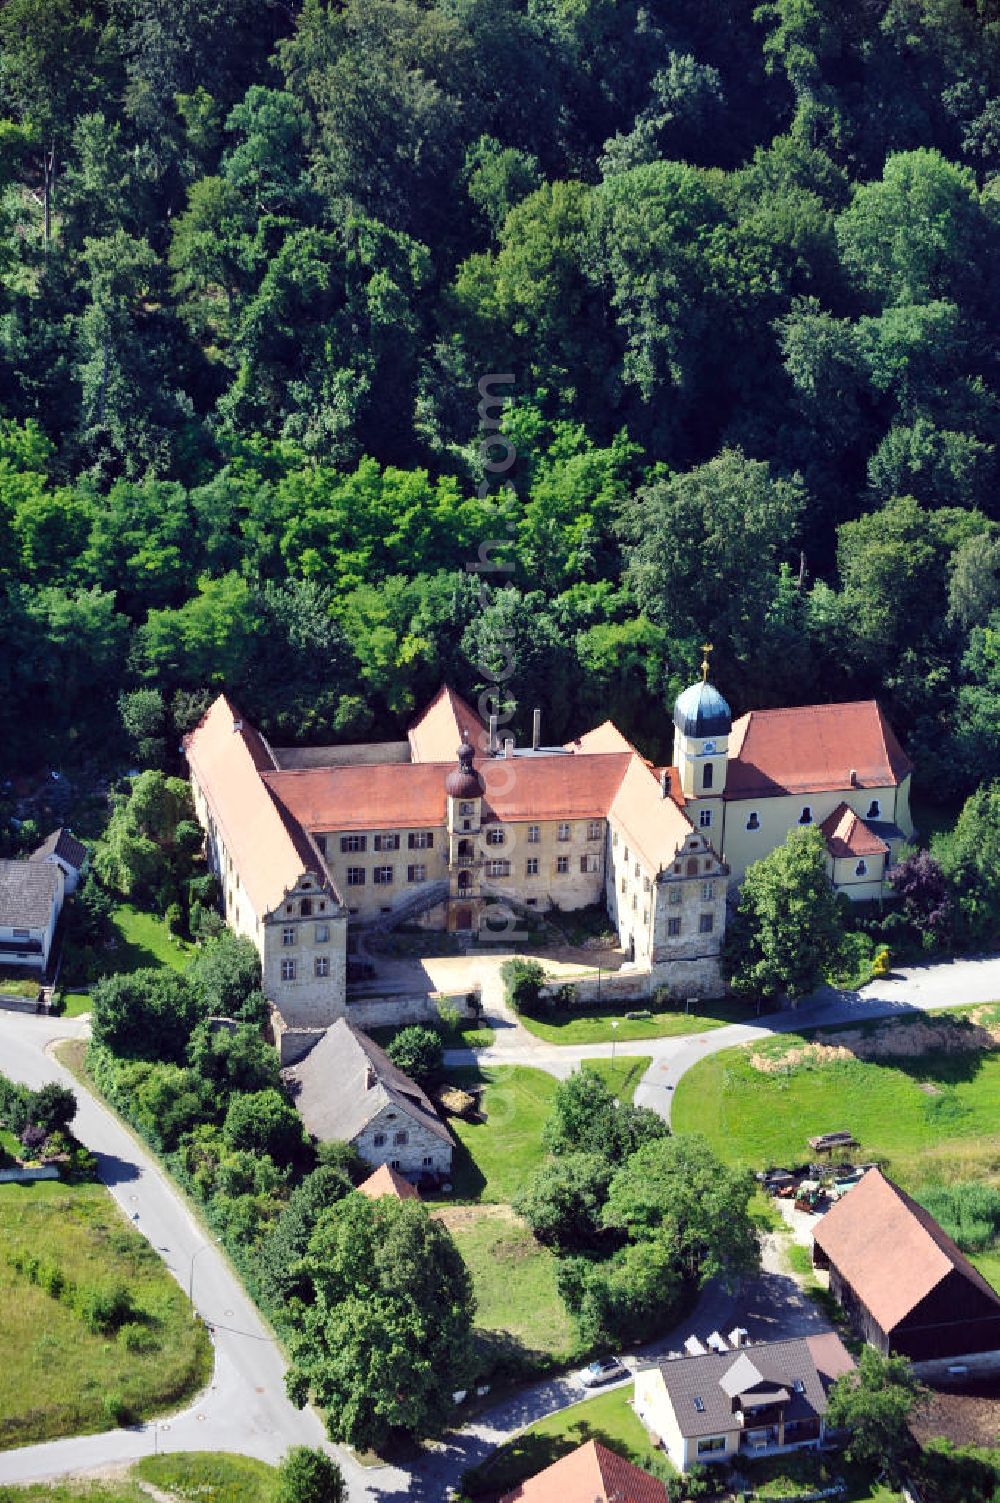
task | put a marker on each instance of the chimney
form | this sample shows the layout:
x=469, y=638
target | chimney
x=854, y=777
x=370, y=1078
x=237, y=725
x=536, y=730
x=665, y=782
x=493, y=735
x=508, y=746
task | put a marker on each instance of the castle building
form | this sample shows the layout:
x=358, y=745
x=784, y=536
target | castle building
x=837, y=766
x=456, y=829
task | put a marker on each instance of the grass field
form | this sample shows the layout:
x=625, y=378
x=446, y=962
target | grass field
x=494, y=1158
x=787, y=1476
x=608, y=1418
x=59, y=1378
x=502, y=1254
x=143, y=940
x=577, y=1025
x=932, y=1116
x=74, y=1004
x=623, y=1075
x=211, y=1477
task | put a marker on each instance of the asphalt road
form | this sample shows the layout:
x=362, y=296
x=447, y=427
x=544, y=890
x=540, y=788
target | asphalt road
x=245, y=1409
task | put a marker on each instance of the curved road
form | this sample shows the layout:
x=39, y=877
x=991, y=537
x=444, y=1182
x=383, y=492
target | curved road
x=246, y=1409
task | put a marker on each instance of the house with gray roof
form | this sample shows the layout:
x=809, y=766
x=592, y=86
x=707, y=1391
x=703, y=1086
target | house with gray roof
x=62, y=849
x=31, y=899
x=348, y=1089
x=756, y=1401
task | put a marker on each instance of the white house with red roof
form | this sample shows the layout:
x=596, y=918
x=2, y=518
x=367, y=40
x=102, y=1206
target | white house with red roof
x=838, y=766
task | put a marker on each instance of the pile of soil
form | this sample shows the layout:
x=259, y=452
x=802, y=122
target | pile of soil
x=893, y=1039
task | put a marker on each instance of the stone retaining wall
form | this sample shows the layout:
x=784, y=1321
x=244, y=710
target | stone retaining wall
x=24, y=1176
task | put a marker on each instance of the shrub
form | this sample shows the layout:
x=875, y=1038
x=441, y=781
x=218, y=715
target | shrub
x=309, y=1476
x=52, y=1108
x=104, y=1309
x=13, y=1105
x=116, y=1409
x=135, y=1337
x=523, y=981
x=418, y=1052
x=263, y=1122
x=32, y=1138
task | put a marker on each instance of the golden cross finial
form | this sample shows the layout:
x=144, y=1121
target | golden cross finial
x=706, y=648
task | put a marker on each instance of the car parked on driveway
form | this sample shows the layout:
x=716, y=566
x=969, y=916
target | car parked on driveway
x=604, y=1370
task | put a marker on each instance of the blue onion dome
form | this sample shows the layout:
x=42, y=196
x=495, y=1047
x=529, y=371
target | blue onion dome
x=702, y=711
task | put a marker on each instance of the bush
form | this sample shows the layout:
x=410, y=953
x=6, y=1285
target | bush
x=104, y=1309
x=32, y=1139
x=523, y=981
x=309, y=1476
x=418, y=1052
x=135, y=1337
x=52, y=1108
x=117, y=1410
x=13, y=1105
x=263, y=1122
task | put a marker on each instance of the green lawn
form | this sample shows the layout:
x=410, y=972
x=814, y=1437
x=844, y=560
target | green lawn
x=457, y=1035
x=211, y=1477
x=608, y=1418
x=532, y=1330
x=74, y=1004
x=494, y=1158
x=58, y=1377
x=623, y=1075
x=143, y=940
x=931, y=1117
x=790, y=1476
x=578, y=1025
x=988, y=1264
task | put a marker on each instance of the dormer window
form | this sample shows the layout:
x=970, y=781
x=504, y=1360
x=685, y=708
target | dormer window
x=806, y=817
x=874, y=810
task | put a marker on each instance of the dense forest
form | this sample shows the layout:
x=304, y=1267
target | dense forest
x=740, y=259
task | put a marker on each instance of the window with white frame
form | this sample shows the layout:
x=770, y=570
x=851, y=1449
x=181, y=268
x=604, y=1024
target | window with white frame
x=498, y=868
x=353, y=843
x=673, y=927
x=495, y=835
x=288, y=970
x=321, y=965
x=321, y=934
x=708, y=891
x=705, y=818
x=674, y=894
x=386, y=842
x=382, y=875
x=288, y=936
x=417, y=873
x=564, y=832
x=531, y=867
x=589, y=864
x=401, y=1138
x=594, y=830
x=378, y=1139
x=534, y=834
x=355, y=876
x=420, y=840
x=562, y=865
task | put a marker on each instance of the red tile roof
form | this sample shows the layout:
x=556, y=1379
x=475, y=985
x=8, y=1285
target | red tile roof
x=229, y=760
x=437, y=732
x=388, y=1181
x=890, y=1250
x=656, y=826
x=847, y=834
x=590, y=1474
x=813, y=749
x=409, y=797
